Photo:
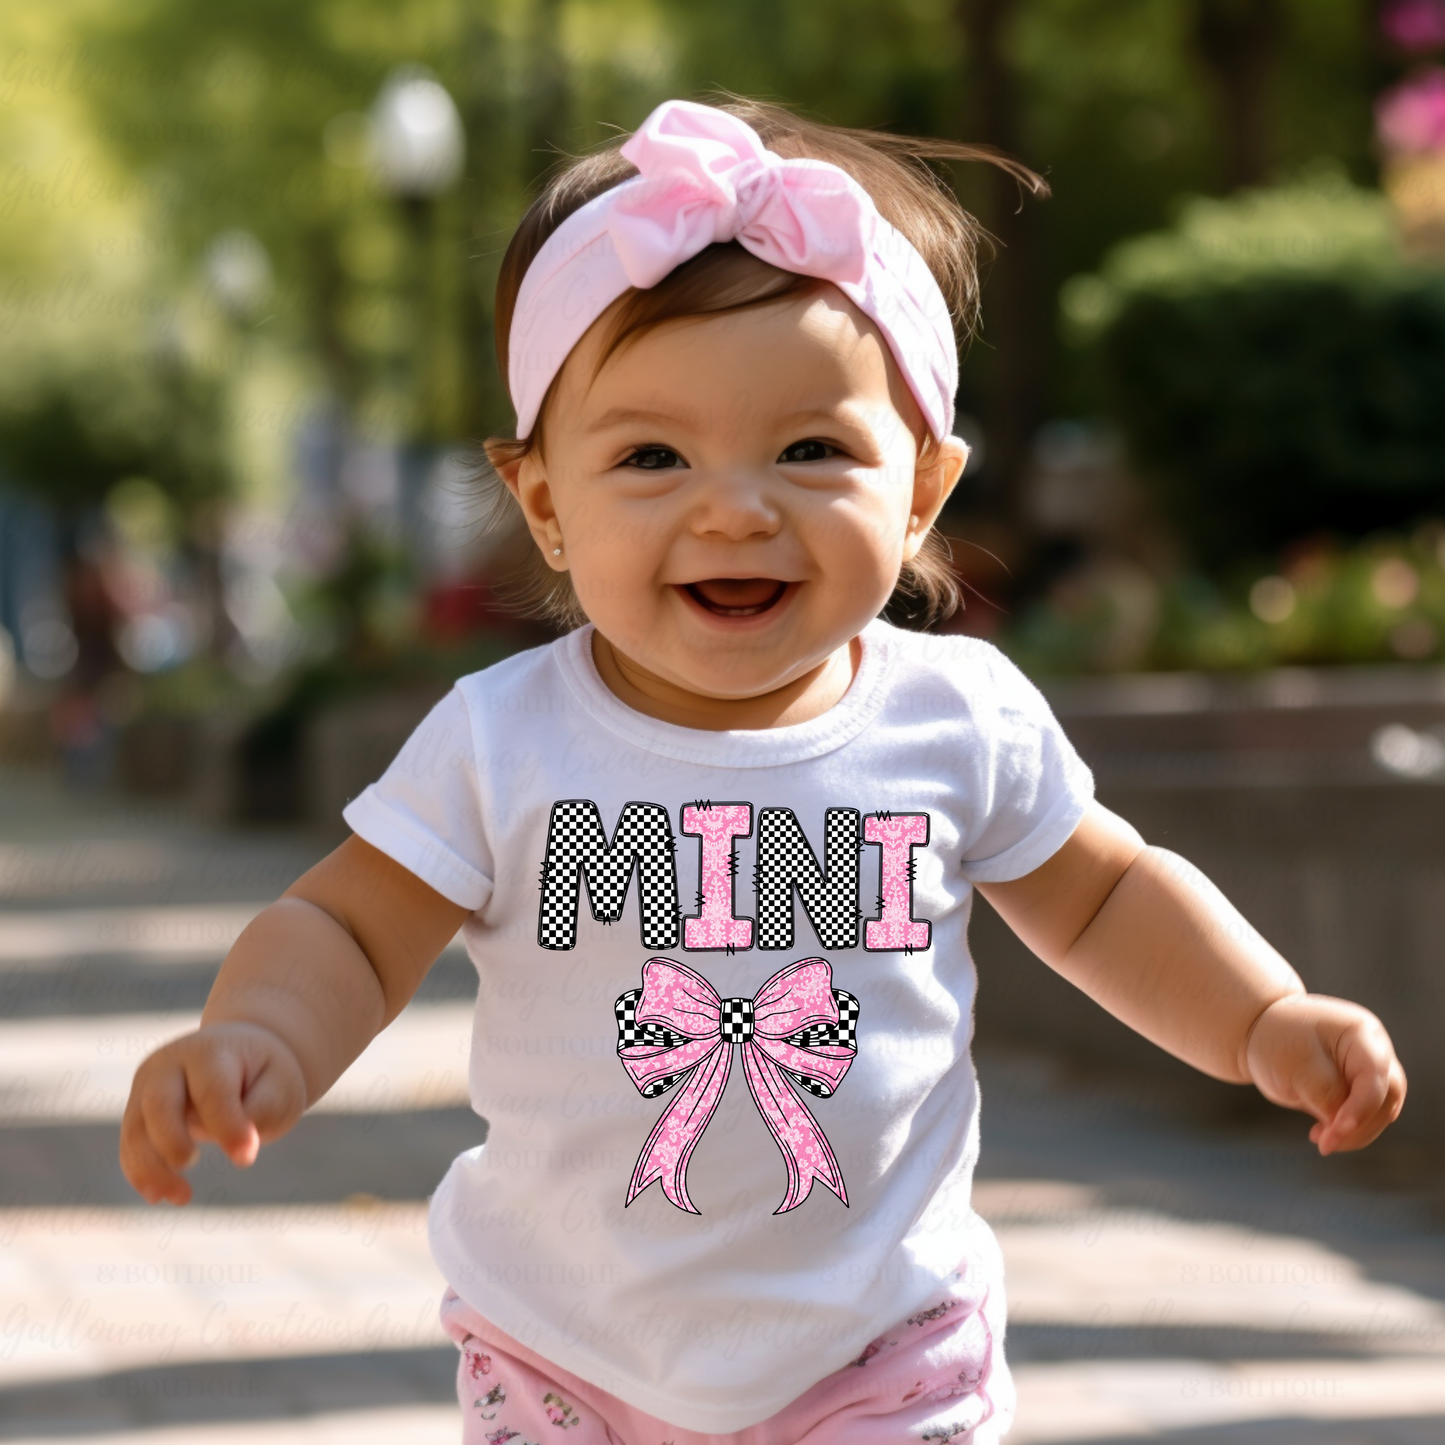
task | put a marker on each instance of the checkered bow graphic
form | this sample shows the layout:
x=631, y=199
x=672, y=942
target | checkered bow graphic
x=677, y=1028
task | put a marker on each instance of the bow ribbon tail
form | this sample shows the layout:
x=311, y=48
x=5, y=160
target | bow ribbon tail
x=669, y=1146
x=804, y=1146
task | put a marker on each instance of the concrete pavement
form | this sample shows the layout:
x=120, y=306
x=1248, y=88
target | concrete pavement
x=1171, y=1277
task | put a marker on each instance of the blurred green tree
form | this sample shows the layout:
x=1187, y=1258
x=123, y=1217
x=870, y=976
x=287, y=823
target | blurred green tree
x=253, y=118
x=75, y=435
x=258, y=113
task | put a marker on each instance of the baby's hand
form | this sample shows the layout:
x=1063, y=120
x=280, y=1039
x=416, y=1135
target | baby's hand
x=233, y=1084
x=1329, y=1058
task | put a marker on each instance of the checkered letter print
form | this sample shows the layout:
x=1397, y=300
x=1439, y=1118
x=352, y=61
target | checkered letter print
x=577, y=848
x=786, y=861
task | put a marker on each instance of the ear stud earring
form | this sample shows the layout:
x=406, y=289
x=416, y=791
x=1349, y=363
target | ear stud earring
x=556, y=551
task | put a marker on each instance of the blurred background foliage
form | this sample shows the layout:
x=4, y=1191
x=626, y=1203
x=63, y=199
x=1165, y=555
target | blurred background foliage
x=1214, y=350
x=1273, y=360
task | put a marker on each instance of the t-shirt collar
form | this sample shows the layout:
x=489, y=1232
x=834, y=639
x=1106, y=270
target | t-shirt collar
x=740, y=747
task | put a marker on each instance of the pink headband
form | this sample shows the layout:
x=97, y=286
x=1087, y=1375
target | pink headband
x=706, y=176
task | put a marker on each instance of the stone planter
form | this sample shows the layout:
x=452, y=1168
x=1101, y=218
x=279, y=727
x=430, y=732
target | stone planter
x=1287, y=790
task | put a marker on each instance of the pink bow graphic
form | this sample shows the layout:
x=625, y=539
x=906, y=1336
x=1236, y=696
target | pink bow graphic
x=676, y=1027
x=710, y=178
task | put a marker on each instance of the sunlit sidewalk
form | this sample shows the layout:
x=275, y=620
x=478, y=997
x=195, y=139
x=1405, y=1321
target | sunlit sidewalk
x=1166, y=1280
x=1161, y=1283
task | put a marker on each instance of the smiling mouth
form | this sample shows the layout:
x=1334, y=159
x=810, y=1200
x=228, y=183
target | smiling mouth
x=737, y=596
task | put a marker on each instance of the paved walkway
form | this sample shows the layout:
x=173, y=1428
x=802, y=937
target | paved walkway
x=1169, y=1280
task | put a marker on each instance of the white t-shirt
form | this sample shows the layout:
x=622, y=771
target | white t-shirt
x=659, y=910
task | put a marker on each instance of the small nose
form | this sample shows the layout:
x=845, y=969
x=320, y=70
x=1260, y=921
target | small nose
x=735, y=505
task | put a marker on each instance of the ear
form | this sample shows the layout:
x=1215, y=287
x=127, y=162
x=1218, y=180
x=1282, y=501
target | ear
x=933, y=481
x=526, y=479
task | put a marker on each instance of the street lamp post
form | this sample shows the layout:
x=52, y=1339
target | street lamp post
x=237, y=271
x=418, y=150
x=418, y=140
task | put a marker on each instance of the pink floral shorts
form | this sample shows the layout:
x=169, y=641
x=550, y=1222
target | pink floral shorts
x=937, y=1376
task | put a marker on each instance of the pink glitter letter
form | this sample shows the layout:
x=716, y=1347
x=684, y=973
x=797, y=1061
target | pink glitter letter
x=717, y=824
x=896, y=929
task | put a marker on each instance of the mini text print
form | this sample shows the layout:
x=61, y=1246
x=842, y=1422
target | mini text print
x=579, y=851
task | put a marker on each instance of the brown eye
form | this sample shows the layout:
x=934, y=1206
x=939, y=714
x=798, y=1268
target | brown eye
x=653, y=459
x=808, y=451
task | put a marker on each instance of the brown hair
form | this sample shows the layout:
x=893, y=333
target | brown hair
x=909, y=193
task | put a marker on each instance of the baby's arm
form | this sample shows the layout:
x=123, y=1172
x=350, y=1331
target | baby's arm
x=309, y=983
x=1152, y=940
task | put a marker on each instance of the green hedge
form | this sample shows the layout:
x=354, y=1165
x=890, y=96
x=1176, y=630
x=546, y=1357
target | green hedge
x=1276, y=367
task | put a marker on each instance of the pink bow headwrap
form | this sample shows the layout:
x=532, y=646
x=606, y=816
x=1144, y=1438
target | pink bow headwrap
x=706, y=176
x=676, y=1028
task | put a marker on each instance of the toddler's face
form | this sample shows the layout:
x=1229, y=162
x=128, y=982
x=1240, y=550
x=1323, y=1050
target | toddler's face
x=734, y=495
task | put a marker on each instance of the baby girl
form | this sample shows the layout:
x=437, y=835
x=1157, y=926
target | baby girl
x=731, y=344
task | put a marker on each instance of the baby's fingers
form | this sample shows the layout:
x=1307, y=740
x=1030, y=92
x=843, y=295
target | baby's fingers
x=236, y=1084
x=154, y=1144
x=245, y=1089
x=1374, y=1102
x=214, y=1081
x=1333, y=1059
x=149, y=1175
x=275, y=1096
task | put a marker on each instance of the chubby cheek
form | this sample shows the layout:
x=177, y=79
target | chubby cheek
x=607, y=587
x=594, y=516
x=606, y=524
x=862, y=551
x=608, y=552
x=616, y=583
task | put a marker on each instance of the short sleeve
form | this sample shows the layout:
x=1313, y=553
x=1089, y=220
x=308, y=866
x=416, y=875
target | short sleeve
x=1035, y=787
x=425, y=810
